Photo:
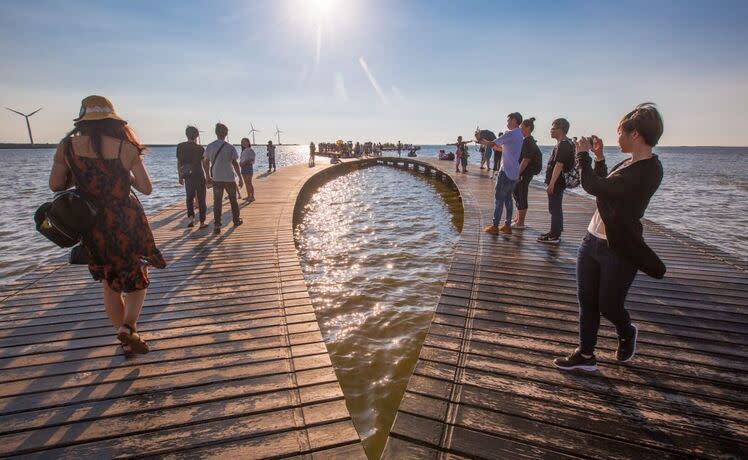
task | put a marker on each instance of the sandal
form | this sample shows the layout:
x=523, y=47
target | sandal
x=137, y=345
x=126, y=350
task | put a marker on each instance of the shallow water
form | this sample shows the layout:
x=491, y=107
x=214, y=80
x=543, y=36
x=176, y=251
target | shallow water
x=375, y=247
x=704, y=195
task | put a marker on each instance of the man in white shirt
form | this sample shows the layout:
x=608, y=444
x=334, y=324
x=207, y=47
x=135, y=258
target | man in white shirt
x=220, y=164
x=511, y=144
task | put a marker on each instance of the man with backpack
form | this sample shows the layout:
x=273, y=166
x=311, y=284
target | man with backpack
x=220, y=165
x=560, y=163
x=530, y=164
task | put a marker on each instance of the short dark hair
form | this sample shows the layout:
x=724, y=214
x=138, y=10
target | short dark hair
x=221, y=130
x=646, y=120
x=530, y=123
x=192, y=133
x=516, y=116
x=561, y=123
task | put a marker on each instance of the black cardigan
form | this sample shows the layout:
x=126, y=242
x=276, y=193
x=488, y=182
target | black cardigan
x=622, y=199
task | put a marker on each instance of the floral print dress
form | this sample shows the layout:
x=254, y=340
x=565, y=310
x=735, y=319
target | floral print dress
x=121, y=242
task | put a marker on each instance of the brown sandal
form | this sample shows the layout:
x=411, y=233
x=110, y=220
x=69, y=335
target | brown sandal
x=127, y=352
x=137, y=345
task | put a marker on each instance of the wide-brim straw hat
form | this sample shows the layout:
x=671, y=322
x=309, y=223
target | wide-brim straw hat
x=97, y=108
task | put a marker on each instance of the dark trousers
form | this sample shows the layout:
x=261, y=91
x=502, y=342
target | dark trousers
x=271, y=162
x=520, y=192
x=603, y=280
x=218, y=188
x=195, y=189
x=555, y=202
x=496, y=160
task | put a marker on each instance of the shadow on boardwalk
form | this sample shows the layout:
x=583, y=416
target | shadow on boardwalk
x=237, y=360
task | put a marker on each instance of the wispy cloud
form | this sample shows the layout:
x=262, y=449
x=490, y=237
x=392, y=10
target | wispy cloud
x=373, y=80
x=319, y=44
x=302, y=76
x=399, y=97
x=341, y=95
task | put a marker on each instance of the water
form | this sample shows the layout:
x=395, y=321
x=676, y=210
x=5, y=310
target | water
x=26, y=173
x=704, y=194
x=375, y=247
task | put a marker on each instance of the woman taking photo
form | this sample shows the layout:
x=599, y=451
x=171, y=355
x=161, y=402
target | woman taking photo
x=102, y=157
x=613, y=249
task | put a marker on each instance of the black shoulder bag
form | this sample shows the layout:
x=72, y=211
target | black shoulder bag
x=68, y=218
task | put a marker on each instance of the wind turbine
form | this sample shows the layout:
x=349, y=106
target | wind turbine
x=278, y=133
x=28, y=125
x=253, y=131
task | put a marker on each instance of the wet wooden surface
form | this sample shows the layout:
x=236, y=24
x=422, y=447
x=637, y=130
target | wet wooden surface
x=485, y=386
x=238, y=367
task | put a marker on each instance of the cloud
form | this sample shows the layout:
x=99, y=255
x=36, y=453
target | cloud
x=341, y=95
x=373, y=80
x=319, y=44
x=302, y=76
x=399, y=95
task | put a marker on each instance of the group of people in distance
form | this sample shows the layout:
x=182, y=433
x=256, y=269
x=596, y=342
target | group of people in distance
x=217, y=166
x=613, y=249
x=103, y=158
x=521, y=159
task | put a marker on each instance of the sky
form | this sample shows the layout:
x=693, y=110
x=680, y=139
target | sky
x=383, y=70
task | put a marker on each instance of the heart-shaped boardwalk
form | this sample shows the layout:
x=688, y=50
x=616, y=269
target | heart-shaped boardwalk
x=238, y=368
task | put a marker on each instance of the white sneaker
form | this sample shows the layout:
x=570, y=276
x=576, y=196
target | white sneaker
x=518, y=226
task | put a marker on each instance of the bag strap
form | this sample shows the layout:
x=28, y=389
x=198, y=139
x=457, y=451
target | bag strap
x=215, y=158
x=68, y=152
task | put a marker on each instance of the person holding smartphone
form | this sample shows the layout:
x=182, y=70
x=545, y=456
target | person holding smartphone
x=613, y=249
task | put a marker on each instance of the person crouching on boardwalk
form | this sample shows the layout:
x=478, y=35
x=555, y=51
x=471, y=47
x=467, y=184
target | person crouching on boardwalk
x=613, y=249
x=562, y=159
x=530, y=163
x=105, y=160
x=189, y=167
x=511, y=143
x=220, y=165
x=247, y=161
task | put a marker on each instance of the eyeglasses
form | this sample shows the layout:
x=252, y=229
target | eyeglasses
x=554, y=127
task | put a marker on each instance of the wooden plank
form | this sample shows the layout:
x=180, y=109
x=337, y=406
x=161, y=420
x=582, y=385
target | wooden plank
x=237, y=362
x=484, y=385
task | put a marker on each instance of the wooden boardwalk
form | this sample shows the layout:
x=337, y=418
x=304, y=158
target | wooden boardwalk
x=238, y=368
x=485, y=386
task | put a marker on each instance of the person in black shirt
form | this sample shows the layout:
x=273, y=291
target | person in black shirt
x=189, y=167
x=530, y=163
x=613, y=249
x=562, y=159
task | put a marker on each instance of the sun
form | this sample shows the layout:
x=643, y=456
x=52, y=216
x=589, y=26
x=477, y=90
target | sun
x=320, y=10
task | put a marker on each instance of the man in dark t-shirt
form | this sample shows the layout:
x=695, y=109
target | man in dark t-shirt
x=191, y=175
x=562, y=159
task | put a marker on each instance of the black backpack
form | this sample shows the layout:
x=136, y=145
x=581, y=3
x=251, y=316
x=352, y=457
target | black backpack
x=66, y=219
x=536, y=161
x=571, y=175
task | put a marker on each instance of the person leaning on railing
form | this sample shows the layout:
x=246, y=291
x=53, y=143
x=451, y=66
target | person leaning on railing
x=613, y=249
